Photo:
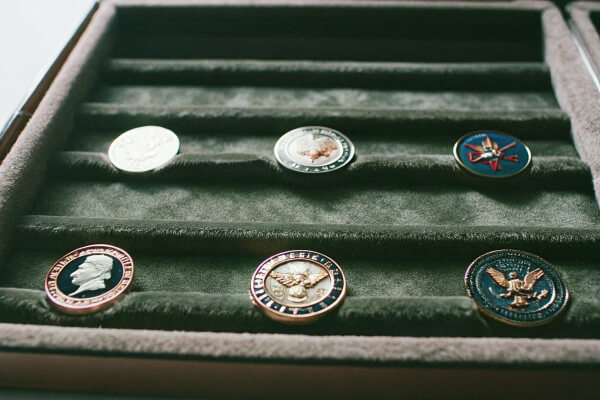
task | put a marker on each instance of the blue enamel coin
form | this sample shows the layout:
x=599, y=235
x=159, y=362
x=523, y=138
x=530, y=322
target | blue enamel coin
x=516, y=287
x=297, y=286
x=492, y=154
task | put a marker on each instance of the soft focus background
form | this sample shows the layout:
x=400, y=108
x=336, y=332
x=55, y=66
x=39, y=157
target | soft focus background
x=32, y=35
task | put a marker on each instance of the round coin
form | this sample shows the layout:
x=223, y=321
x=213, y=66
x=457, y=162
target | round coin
x=492, y=154
x=297, y=286
x=89, y=279
x=143, y=149
x=516, y=288
x=314, y=149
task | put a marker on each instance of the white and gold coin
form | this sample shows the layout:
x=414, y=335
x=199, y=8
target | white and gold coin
x=297, y=286
x=314, y=149
x=143, y=149
x=89, y=279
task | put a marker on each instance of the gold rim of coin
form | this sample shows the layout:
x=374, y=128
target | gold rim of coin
x=461, y=163
x=143, y=149
x=89, y=275
x=302, y=294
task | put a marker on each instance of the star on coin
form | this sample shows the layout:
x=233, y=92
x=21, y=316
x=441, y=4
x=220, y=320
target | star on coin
x=492, y=154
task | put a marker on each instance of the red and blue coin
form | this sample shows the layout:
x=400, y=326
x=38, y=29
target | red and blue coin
x=516, y=287
x=492, y=154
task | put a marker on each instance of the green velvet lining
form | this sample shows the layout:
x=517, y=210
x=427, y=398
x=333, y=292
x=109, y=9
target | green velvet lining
x=243, y=96
x=403, y=220
x=554, y=173
x=214, y=144
x=378, y=242
x=386, y=32
x=526, y=124
x=269, y=203
x=503, y=76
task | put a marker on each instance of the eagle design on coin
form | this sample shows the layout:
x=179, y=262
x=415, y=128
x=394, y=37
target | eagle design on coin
x=298, y=283
x=522, y=290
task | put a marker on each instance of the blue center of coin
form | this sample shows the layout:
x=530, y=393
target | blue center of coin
x=90, y=276
x=516, y=287
x=492, y=154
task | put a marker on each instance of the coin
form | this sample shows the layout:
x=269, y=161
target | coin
x=492, y=154
x=516, y=287
x=89, y=279
x=314, y=149
x=143, y=149
x=297, y=286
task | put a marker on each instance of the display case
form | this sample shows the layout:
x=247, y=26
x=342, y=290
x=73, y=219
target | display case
x=404, y=81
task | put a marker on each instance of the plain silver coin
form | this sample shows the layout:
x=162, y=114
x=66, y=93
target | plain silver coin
x=143, y=149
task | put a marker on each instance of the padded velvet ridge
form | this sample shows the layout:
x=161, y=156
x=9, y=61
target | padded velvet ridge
x=423, y=316
x=546, y=123
x=262, y=239
x=547, y=172
x=502, y=76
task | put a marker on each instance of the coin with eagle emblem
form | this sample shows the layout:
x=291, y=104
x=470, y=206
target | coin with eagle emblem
x=492, y=154
x=89, y=279
x=297, y=286
x=313, y=150
x=516, y=287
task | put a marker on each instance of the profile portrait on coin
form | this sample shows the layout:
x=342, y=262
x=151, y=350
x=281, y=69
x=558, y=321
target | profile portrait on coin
x=92, y=273
x=89, y=279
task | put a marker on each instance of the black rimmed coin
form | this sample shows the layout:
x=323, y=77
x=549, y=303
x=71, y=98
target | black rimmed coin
x=516, y=287
x=314, y=149
x=297, y=286
x=492, y=154
x=89, y=279
x=143, y=149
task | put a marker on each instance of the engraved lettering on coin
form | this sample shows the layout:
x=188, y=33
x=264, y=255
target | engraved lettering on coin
x=313, y=149
x=92, y=273
x=303, y=281
x=516, y=287
x=143, y=149
x=297, y=286
x=89, y=279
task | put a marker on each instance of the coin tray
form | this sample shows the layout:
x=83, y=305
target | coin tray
x=403, y=80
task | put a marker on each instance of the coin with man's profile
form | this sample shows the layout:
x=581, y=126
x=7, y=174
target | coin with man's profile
x=143, y=149
x=89, y=279
x=297, y=286
x=314, y=149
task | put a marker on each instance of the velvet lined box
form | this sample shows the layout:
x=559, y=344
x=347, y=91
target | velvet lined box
x=404, y=80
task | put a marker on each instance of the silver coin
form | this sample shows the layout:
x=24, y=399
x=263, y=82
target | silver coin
x=143, y=149
x=314, y=149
